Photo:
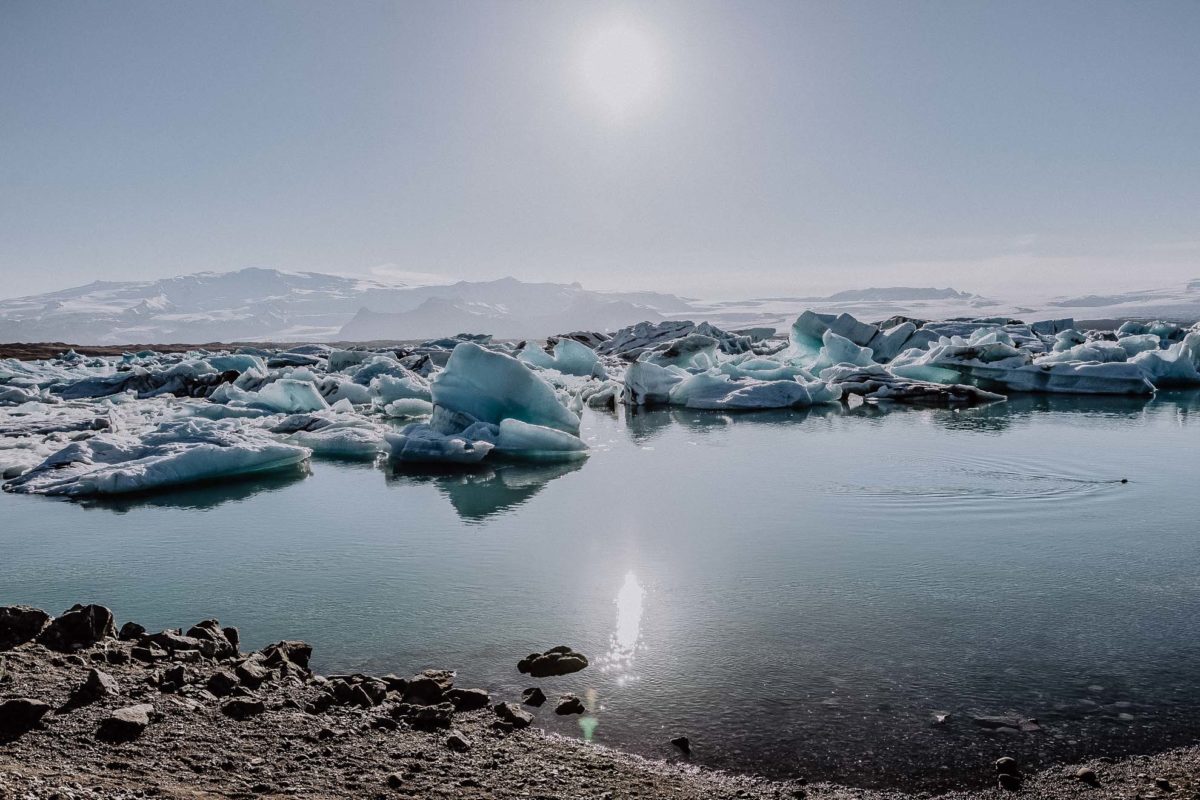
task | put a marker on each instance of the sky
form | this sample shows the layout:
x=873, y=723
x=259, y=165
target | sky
x=727, y=149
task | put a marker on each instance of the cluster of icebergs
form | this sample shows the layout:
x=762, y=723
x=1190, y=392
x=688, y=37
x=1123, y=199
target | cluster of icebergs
x=79, y=426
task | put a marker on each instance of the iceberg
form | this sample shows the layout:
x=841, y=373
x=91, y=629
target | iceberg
x=290, y=396
x=420, y=443
x=492, y=387
x=527, y=442
x=716, y=390
x=648, y=384
x=174, y=454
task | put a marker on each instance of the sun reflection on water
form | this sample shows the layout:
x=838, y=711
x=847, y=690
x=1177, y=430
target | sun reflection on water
x=627, y=635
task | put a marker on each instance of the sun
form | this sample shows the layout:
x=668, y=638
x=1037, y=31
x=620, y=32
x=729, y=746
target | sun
x=619, y=65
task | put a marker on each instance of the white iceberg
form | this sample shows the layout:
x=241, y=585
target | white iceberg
x=537, y=443
x=173, y=454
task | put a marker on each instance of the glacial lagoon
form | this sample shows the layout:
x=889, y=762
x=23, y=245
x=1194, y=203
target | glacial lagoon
x=800, y=593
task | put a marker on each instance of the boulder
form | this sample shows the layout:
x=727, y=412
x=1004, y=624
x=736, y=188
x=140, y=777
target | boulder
x=125, y=724
x=210, y=630
x=559, y=660
x=290, y=652
x=19, y=715
x=468, y=699
x=222, y=683
x=569, y=704
x=683, y=743
x=425, y=717
x=242, y=708
x=513, y=714
x=79, y=627
x=20, y=624
x=429, y=687
x=533, y=697
x=96, y=685
x=458, y=742
x=252, y=673
x=131, y=632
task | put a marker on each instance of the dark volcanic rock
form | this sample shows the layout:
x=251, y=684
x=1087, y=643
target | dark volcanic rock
x=291, y=652
x=20, y=624
x=683, y=743
x=569, y=704
x=428, y=688
x=252, y=673
x=20, y=715
x=242, y=707
x=458, y=742
x=221, y=683
x=559, y=660
x=1087, y=775
x=210, y=630
x=125, y=724
x=425, y=717
x=98, y=684
x=533, y=697
x=514, y=715
x=1009, y=783
x=78, y=627
x=468, y=699
x=131, y=632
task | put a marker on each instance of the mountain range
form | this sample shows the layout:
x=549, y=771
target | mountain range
x=273, y=305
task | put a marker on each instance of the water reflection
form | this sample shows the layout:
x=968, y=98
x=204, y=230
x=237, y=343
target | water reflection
x=626, y=637
x=477, y=494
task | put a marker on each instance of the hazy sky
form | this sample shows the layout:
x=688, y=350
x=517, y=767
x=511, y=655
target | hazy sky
x=733, y=148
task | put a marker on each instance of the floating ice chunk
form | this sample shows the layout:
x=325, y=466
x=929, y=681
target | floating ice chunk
x=764, y=369
x=1067, y=339
x=237, y=362
x=574, y=358
x=408, y=407
x=846, y=326
x=492, y=387
x=290, y=396
x=601, y=394
x=716, y=390
x=649, y=384
x=836, y=349
x=388, y=388
x=1176, y=367
x=173, y=454
x=808, y=330
x=887, y=344
x=1139, y=343
x=1100, y=352
x=421, y=443
x=877, y=383
x=694, y=351
x=636, y=338
x=569, y=357
x=349, y=391
x=356, y=438
x=537, y=443
x=1002, y=367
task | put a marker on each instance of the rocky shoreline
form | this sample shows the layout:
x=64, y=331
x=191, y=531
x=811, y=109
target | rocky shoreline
x=88, y=710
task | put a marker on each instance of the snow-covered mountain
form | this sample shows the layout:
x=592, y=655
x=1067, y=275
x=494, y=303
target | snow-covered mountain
x=272, y=305
x=266, y=304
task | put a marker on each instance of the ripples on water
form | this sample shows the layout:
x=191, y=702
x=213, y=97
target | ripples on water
x=797, y=592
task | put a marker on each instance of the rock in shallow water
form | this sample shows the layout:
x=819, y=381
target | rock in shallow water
x=559, y=660
x=513, y=714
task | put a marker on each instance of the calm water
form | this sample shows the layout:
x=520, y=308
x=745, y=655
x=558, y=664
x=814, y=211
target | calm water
x=797, y=593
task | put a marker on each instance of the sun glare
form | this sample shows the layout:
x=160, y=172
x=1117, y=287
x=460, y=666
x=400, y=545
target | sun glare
x=619, y=64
